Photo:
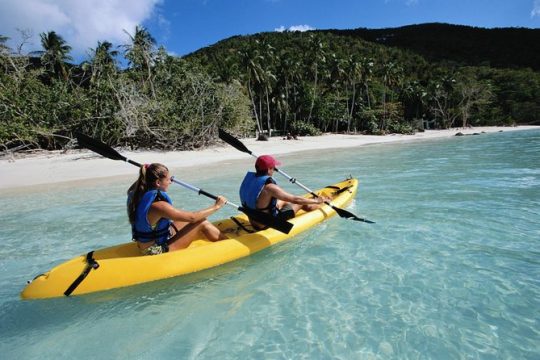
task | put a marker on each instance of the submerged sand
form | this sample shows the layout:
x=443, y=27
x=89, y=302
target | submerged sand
x=79, y=165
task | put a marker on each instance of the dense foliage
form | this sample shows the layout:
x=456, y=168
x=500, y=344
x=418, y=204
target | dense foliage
x=303, y=83
x=159, y=101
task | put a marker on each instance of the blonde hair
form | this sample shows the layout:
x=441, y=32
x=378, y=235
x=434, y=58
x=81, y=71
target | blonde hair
x=148, y=175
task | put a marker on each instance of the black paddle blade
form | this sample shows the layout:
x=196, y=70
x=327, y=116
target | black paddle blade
x=268, y=220
x=98, y=147
x=348, y=215
x=231, y=140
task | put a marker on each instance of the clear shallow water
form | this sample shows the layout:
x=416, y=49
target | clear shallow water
x=450, y=270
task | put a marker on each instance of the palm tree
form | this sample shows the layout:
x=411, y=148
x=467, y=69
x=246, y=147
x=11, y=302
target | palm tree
x=367, y=72
x=103, y=61
x=55, y=53
x=141, y=53
x=268, y=79
x=226, y=67
x=392, y=75
x=413, y=97
x=354, y=72
x=249, y=60
x=336, y=80
x=291, y=78
x=317, y=54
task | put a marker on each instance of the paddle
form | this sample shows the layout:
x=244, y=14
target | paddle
x=231, y=140
x=259, y=216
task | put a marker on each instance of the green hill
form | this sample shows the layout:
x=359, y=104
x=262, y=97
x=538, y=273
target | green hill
x=499, y=47
x=372, y=80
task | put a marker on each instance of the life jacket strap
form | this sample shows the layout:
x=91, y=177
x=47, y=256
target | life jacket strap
x=145, y=237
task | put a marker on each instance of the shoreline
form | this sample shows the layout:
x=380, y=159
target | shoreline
x=84, y=165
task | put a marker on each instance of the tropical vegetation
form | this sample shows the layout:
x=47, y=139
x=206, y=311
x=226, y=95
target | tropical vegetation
x=268, y=83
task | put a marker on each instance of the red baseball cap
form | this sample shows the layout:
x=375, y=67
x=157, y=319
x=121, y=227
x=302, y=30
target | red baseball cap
x=265, y=162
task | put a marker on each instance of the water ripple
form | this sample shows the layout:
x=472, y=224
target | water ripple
x=450, y=270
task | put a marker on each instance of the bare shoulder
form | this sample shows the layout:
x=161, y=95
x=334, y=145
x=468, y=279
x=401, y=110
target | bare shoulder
x=271, y=187
x=276, y=191
x=162, y=207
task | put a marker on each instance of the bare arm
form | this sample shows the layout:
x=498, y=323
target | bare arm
x=162, y=209
x=275, y=191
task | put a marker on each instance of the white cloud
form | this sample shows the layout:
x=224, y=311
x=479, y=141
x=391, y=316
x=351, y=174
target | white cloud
x=81, y=23
x=536, y=8
x=300, y=28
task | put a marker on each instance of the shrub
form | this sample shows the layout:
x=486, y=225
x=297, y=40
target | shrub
x=302, y=128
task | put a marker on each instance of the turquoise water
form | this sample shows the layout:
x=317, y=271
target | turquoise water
x=450, y=270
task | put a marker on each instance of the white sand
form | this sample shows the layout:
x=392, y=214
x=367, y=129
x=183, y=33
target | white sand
x=56, y=167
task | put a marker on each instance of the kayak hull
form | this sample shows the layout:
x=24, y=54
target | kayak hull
x=122, y=265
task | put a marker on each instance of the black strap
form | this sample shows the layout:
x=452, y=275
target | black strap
x=237, y=222
x=342, y=190
x=91, y=263
x=148, y=236
x=332, y=187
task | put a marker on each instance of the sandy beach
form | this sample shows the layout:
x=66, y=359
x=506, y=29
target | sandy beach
x=57, y=167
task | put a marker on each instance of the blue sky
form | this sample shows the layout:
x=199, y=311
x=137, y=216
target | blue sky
x=184, y=26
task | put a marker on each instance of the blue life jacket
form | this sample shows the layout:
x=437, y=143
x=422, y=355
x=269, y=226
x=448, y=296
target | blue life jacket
x=142, y=230
x=251, y=188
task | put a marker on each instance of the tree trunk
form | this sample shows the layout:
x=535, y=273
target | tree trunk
x=314, y=94
x=350, y=115
x=254, y=108
x=268, y=114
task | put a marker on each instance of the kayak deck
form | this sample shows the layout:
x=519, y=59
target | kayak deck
x=123, y=265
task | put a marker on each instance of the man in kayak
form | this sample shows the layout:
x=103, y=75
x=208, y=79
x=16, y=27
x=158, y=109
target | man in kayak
x=259, y=191
x=157, y=226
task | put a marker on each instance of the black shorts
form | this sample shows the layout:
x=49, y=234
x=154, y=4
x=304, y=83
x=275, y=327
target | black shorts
x=286, y=212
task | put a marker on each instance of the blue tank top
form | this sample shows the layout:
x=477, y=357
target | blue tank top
x=142, y=230
x=251, y=188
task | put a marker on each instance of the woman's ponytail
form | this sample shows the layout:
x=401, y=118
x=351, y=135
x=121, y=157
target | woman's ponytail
x=148, y=175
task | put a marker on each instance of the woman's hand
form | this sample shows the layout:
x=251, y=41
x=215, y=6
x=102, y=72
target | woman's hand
x=220, y=201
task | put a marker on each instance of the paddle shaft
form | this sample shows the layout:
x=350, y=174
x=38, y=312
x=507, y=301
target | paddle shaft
x=187, y=186
x=201, y=191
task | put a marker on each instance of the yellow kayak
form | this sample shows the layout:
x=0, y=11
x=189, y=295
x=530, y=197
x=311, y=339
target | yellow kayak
x=122, y=265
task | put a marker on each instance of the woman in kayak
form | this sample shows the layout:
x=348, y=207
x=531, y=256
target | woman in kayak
x=259, y=191
x=157, y=226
